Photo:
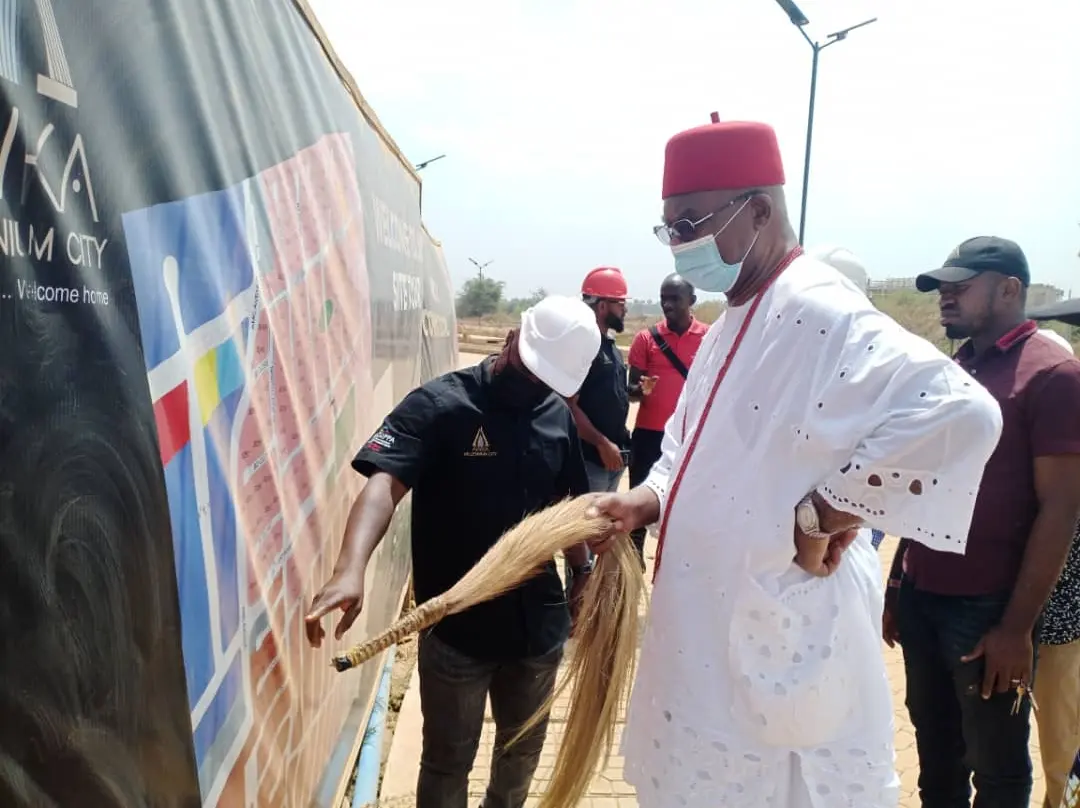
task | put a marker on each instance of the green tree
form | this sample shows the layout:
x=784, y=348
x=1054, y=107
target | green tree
x=479, y=296
x=516, y=305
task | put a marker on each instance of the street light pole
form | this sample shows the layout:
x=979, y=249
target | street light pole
x=799, y=20
x=480, y=267
x=418, y=168
x=809, y=139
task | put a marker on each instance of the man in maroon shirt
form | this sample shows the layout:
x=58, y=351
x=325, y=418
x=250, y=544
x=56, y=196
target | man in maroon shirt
x=967, y=623
x=659, y=360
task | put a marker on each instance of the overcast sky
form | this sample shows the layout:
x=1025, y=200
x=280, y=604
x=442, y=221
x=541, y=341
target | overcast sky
x=942, y=120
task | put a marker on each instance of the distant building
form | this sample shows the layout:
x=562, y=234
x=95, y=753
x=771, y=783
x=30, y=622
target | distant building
x=1043, y=294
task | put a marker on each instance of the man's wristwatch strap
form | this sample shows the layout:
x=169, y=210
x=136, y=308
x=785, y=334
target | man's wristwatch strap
x=582, y=569
x=808, y=519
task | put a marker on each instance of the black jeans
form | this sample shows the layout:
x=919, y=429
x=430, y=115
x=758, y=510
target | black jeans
x=645, y=451
x=958, y=733
x=454, y=689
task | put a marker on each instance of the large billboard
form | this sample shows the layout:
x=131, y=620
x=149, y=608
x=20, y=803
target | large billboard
x=214, y=282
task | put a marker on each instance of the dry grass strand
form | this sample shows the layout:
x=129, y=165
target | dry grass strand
x=600, y=669
x=517, y=556
x=599, y=673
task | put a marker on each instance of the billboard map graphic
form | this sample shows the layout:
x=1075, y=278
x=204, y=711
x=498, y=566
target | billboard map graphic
x=254, y=313
x=214, y=283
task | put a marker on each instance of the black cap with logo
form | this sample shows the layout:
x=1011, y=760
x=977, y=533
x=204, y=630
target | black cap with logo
x=975, y=256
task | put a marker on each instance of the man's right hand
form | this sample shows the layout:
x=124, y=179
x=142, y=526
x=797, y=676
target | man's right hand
x=636, y=508
x=821, y=557
x=345, y=592
x=648, y=384
x=610, y=456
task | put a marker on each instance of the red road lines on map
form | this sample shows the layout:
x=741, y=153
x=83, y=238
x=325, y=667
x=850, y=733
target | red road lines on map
x=309, y=352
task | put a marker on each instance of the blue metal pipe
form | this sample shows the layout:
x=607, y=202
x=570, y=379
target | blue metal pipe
x=366, y=786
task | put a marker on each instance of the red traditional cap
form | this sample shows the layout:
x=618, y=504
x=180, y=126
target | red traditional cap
x=722, y=156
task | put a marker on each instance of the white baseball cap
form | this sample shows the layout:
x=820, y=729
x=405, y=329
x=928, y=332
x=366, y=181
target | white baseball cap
x=558, y=341
x=843, y=261
x=1054, y=336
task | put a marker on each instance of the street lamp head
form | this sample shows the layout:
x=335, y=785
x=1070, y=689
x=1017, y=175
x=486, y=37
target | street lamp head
x=426, y=163
x=794, y=13
x=837, y=36
x=799, y=20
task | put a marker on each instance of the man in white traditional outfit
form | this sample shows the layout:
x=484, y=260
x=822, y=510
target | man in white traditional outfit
x=806, y=415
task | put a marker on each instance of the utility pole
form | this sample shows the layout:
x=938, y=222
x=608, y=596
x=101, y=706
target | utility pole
x=480, y=267
x=799, y=20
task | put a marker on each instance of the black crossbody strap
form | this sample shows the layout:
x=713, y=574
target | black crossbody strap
x=665, y=349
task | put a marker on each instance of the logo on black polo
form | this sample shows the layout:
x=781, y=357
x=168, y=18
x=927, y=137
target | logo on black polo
x=481, y=446
x=382, y=439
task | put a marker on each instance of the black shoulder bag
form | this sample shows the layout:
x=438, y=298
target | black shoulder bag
x=669, y=354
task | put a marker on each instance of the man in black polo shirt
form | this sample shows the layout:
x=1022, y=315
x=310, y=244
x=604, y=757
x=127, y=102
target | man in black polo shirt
x=480, y=449
x=603, y=403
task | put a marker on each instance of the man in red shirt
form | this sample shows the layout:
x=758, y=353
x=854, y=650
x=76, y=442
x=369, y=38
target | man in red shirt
x=659, y=360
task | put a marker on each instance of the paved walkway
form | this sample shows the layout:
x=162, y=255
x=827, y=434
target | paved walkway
x=609, y=790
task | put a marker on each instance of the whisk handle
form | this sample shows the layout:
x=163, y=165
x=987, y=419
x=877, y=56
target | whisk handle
x=425, y=615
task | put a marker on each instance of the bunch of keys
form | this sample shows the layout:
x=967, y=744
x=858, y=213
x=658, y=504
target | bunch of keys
x=1021, y=691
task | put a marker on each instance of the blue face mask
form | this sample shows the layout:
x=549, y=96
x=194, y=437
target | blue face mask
x=700, y=263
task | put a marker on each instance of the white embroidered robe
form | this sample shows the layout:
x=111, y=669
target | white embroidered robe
x=759, y=685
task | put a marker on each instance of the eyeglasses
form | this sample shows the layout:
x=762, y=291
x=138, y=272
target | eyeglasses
x=684, y=229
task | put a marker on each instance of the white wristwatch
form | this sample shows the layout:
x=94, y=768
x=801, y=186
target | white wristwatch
x=808, y=519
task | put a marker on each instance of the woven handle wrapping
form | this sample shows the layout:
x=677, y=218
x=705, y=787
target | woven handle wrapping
x=426, y=614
